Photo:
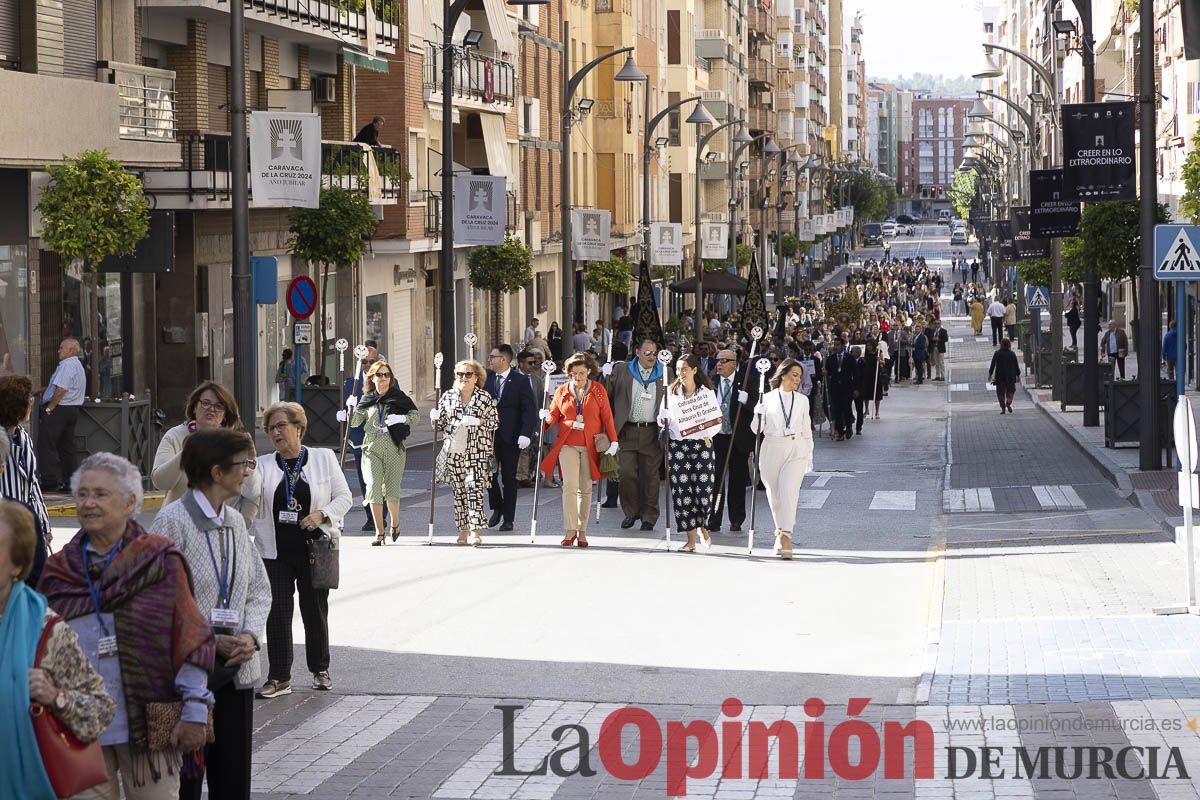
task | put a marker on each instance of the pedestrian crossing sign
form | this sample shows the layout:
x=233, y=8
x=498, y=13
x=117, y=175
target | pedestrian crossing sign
x=1177, y=252
x=1037, y=297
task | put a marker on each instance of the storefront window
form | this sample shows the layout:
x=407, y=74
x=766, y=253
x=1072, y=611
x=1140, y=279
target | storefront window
x=77, y=319
x=377, y=321
x=14, y=309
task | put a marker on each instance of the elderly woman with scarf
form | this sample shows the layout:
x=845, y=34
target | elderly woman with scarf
x=63, y=682
x=387, y=416
x=127, y=595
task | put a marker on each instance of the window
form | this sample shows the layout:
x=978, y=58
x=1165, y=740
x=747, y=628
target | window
x=542, y=290
x=673, y=37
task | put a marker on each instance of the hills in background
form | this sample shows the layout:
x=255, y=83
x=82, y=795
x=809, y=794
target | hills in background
x=937, y=85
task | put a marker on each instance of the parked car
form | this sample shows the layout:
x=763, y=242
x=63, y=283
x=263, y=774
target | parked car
x=905, y=219
x=872, y=234
x=889, y=229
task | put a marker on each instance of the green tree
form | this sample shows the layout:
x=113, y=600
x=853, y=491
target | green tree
x=335, y=233
x=92, y=209
x=745, y=254
x=1189, y=204
x=962, y=192
x=789, y=245
x=500, y=269
x=607, y=278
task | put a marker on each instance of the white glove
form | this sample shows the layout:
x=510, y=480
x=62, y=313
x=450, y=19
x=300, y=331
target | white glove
x=743, y=397
x=471, y=422
x=523, y=442
x=544, y=415
x=351, y=402
x=612, y=449
x=394, y=419
x=664, y=420
x=760, y=408
x=435, y=414
x=341, y=416
x=606, y=370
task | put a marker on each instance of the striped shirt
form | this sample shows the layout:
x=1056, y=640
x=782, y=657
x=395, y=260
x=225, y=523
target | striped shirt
x=19, y=479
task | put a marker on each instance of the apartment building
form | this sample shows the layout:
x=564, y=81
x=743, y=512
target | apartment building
x=940, y=125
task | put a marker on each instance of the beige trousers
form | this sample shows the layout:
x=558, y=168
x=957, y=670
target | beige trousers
x=577, y=486
x=120, y=775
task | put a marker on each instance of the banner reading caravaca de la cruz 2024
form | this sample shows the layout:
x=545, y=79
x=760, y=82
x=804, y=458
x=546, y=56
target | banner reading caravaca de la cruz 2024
x=285, y=159
x=590, y=234
x=480, y=209
x=1098, y=152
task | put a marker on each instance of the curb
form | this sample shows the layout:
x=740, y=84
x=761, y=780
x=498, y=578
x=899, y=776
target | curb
x=1116, y=474
x=66, y=508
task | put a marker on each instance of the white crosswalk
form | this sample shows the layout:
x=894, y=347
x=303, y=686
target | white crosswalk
x=958, y=501
x=1059, y=498
x=894, y=501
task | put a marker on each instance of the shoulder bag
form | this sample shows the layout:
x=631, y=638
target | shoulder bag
x=323, y=563
x=72, y=766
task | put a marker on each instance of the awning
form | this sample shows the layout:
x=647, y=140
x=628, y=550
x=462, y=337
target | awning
x=373, y=63
x=498, y=26
x=717, y=281
x=495, y=141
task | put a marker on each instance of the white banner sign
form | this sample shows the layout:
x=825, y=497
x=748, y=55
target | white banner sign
x=716, y=240
x=808, y=230
x=850, y=213
x=819, y=224
x=666, y=243
x=698, y=414
x=480, y=209
x=285, y=159
x=831, y=225
x=843, y=219
x=590, y=234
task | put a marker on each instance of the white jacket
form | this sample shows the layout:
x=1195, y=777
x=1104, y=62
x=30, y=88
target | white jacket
x=775, y=419
x=326, y=484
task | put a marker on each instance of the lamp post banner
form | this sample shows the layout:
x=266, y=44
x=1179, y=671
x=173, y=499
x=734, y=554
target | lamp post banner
x=1051, y=215
x=1098, y=152
x=666, y=244
x=808, y=230
x=480, y=209
x=716, y=240
x=590, y=234
x=285, y=159
x=819, y=224
x=831, y=223
x=1027, y=246
x=1006, y=247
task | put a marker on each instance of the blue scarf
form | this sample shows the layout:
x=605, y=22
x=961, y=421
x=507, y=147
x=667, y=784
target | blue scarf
x=635, y=369
x=21, y=770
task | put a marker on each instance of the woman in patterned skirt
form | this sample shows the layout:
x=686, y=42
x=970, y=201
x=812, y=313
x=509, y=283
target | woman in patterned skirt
x=467, y=415
x=692, y=463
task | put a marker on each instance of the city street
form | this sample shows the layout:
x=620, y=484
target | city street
x=955, y=566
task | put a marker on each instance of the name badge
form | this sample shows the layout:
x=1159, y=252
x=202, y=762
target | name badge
x=577, y=425
x=647, y=396
x=289, y=517
x=225, y=618
x=108, y=646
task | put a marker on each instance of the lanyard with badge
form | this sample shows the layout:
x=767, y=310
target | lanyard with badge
x=290, y=515
x=108, y=640
x=787, y=413
x=646, y=382
x=577, y=423
x=223, y=616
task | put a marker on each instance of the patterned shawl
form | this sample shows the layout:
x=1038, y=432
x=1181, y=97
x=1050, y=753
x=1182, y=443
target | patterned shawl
x=159, y=628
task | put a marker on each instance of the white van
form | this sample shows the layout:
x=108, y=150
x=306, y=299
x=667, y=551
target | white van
x=943, y=217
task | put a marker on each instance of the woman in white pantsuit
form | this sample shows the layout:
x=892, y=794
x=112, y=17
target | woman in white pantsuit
x=787, y=449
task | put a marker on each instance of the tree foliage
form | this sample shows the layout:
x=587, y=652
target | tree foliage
x=501, y=268
x=745, y=254
x=1110, y=237
x=788, y=245
x=608, y=277
x=335, y=232
x=872, y=196
x=962, y=192
x=93, y=208
x=1189, y=204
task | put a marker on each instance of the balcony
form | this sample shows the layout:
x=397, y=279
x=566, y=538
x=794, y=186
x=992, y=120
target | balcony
x=715, y=101
x=483, y=81
x=147, y=101
x=711, y=43
x=433, y=214
x=344, y=21
x=761, y=23
x=205, y=180
x=761, y=119
x=762, y=72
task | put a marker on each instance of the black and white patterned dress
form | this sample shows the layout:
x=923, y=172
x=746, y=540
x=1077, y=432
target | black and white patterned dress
x=468, y=467
x=693, y=472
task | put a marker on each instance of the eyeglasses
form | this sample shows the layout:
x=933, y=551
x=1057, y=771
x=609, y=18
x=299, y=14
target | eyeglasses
x=725, y=360
x=208, y=405
x=650, y=353
x=248, y=463
x=465, y=374
x=279, y=427
x=579, y=373
x=383, y=374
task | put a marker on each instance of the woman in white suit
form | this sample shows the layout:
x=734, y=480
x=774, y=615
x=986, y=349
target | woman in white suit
x=787, y=450
x=304, y=498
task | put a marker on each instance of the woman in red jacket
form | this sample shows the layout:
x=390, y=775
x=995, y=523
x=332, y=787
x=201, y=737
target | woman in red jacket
x=580, y=410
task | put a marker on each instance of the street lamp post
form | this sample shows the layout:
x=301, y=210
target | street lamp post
x=701, y=141
x=630, y=72
x=787, y=155
x=744, y=140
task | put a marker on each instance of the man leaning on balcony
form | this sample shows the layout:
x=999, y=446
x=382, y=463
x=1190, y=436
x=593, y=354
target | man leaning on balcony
x=370, y=132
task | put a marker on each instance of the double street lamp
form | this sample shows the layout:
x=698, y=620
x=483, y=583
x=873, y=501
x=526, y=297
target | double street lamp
x=701, y=141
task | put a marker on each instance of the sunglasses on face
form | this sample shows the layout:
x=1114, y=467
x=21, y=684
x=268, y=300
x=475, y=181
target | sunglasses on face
x=383, y=375
x=465, y=374
x=725, y=360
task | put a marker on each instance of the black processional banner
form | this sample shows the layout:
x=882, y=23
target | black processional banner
x=1051, y=215
x=1026, y=246
x=1002, y=236
x=1098, y=152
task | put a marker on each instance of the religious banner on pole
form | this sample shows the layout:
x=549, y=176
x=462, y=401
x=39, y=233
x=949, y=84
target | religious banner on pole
x=646, y=324
x=819, y=225
x=1099, y=156
x=285, y=159
x=715, y=236
x=590, y=234
x=754, y=307
x=1027, y=246
x=480, y=209
x=808, y=230
x=831, y=225
x=666, y=243
x=1051, y=215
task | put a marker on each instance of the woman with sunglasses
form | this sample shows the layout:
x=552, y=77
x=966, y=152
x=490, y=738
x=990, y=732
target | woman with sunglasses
x=386, y=415
x=468, y=417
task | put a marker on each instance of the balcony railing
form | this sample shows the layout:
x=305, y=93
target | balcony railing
x=476, y=77
x=147, y=98
x=347, y=17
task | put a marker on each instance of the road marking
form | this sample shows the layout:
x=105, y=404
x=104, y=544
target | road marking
x=960, y=387
x=823, y=477
x=320, y=747
x=967, y=501
x=894, y=501
x=813, y=499
x=1061, y=497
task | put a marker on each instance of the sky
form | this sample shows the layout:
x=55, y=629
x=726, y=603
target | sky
x=931, y=36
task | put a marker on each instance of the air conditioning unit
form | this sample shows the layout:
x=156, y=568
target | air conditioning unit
x=324, y=90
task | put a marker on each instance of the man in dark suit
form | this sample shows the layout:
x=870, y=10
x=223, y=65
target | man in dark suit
x=635, y=393
x=734, y=390
x=938, y=339
x=839, y=382
x=518, y=417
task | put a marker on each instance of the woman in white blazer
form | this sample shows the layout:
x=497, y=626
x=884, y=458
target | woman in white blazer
x=787, y=450
x=304, y=497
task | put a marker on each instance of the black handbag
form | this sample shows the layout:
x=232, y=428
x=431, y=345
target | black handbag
x=323, y=563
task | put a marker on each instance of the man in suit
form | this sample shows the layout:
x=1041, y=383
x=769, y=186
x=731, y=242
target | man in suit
x=938, y=337
x=734, y=390
x=635, y=393
x=518, y=417
x=839, y=382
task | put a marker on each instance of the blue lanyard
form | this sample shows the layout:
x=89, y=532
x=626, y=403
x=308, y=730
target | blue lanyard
x=290, y=481
x=226, y=557
x=787, y=412
x=92, y=589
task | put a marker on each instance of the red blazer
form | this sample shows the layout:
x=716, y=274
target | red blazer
x=597, y=418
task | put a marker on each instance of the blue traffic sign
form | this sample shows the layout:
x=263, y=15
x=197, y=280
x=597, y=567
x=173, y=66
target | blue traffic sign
x=1177, y=252
x=1037, y=297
